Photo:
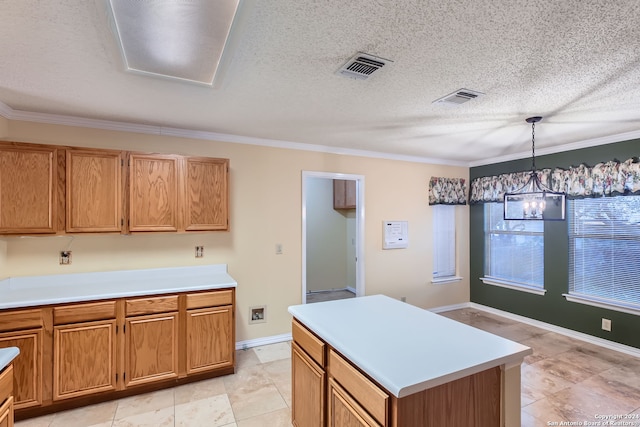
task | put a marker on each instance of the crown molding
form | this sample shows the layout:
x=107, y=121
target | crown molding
x=57, y=119
x=627, y=136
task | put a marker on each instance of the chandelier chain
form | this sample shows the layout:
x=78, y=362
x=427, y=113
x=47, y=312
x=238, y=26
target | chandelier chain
x=533, y=146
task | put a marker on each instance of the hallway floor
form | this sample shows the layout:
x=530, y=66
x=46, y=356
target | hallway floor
x=563, y=380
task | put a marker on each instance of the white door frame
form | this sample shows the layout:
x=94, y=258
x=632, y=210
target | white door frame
x=359, y=227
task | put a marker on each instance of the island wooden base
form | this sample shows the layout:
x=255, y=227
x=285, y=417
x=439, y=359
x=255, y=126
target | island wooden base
x=469, y=401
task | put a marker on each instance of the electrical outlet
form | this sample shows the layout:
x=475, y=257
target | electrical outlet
x=199, y=251
x=278, y=248
x=65, y=257
x=403, y=299
x=606, y=324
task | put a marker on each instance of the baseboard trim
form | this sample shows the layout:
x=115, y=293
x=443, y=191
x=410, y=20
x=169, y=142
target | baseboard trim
x=622, y=348
x=257, y=342
x=444, y=308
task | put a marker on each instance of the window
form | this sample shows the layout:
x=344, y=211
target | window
x=444, y=243
x=604, y=252
x=514, y=251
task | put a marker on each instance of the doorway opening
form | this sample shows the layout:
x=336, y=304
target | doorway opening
x=332, y=236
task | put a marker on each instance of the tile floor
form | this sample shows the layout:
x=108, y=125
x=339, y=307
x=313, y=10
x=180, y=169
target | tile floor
x=329, y=295
x=563, y=380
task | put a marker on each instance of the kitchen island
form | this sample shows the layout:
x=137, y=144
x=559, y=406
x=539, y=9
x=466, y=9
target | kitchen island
x=376, y=361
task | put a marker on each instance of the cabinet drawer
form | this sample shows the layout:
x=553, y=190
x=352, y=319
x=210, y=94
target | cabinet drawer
x=313, y=345
x=371, y=397
x=23, y=319
x=209, y=299
x=6, y=383
x=84, y=312
x=135, y=307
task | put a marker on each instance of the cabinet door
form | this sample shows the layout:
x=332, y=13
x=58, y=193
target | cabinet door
x=153, y=192
x=344, y=411
x=27, y=366
x=6, y=413
x=28, y=202
x=151, y=348
x=308, y=390
x=210, y=342
x=344, y=194
x=206, y=194
x=84, y=359
x=94, y=198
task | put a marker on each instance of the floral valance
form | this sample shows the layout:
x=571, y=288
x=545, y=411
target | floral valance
x=604, y=179
x=447, y=191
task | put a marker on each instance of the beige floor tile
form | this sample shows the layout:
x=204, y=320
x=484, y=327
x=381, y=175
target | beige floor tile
x=92, y=415
x=537, y=384
x=548, y=345
x=280, y=373
x=620, y=391
x=199, y=390
x=212, y=411
x=271, y=352
x=43, y=421
x=582, y=403
x=621, y=374
x=247, y=379
x=280, y=418
x=145, y=403
x=246, y=358
x=160, y=418
x=566, y=370
x=254, y=401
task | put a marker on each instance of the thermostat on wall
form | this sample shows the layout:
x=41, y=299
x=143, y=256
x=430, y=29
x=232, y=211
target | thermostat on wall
x=396, y=235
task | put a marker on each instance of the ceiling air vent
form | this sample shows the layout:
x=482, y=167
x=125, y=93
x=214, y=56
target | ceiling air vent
x=458, y=97
x=362, y=66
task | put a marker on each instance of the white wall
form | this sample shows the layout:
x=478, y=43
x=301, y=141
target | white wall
x=265, y=209
x=327, y=252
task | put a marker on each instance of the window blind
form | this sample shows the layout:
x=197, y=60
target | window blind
x=604, y=249
x=444, y=241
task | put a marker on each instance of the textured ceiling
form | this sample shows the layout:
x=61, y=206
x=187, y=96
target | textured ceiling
x=575, y=62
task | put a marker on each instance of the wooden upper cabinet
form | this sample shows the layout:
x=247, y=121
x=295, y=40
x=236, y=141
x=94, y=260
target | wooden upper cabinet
x=94, y=191
x=206, y=194
x=153, y=192
x=344, y=194
x=28, y=197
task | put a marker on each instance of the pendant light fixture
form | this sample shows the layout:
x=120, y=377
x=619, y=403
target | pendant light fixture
x=534, y=200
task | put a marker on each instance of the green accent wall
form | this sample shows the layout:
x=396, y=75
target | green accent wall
x=552, y=307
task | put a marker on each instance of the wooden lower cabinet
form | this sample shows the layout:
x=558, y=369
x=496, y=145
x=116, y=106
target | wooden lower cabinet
x=81, y=353
x=6, y=413
x=344, y=411
x=6, y=397
x=27, y=381
x=209, y=339
x=151, y=348
x=84, y=359
x=308, y=390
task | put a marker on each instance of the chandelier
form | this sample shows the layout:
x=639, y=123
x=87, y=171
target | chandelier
x=534, y=200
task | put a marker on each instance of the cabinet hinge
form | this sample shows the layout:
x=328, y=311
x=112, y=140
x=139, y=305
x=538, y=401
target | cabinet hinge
x=121, y=222
x=116, y=376
x=116, y=333
x=121, y=164
x=124, y=329
x=124, y=376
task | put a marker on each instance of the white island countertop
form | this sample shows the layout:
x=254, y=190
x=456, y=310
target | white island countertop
x=7, y=355
x=404, y=348
x=29, y=291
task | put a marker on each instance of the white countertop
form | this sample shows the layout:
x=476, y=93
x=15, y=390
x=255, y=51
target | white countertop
x=31, y=291
x=7, y=355
x=404, y=348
